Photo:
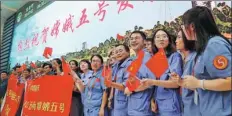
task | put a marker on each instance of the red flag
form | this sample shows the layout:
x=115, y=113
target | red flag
x=107, y=74
x=48, y=96
x=47, y=51
x=132, y=83
x=23, y=67
x=13, y=97
x=133, y=68
x=33, y=65
x=120, y=37
x=106, y=71
x=65, y=65
x=158, y=64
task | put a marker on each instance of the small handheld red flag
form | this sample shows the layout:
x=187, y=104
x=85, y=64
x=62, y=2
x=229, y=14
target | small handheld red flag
x=107, y=74
x=132, y=83
x=133, y=68
x=33, y=65
x=120, y=37
x=23, y=67
x=66, y=68
x=158, y=64
x=47, y=51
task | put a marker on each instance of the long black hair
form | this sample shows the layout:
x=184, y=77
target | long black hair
x=171, y=46
x=188, y=44
x=76, y=63
x=59, y=62
x=204, y=26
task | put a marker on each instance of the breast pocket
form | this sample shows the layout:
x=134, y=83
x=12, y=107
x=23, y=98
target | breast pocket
x=165, y=100
x=97, y=91
x=137, y=95
x=121, y=96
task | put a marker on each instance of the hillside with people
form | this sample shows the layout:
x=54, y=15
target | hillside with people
x=222, y=14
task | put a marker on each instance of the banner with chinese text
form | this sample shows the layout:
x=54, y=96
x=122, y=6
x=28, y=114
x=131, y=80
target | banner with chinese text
x=76, y=29
x=48, y=96
x=13, y=97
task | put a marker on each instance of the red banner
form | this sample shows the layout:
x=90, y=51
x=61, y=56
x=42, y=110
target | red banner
x=48, y=96
x=13, y=97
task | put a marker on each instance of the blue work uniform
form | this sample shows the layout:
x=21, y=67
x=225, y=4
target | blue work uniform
x=93, y=94
x=214, y=103
x=120, y=99
x=169, y=100
x=190, y=108
x=84, y=78
x=114, y=71
x=139, y=103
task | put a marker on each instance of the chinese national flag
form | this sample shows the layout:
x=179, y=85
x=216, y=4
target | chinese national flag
x=107, y=74
x=120, y=37
x=132, y=83
x=133, y=68
x=106, y=71
x=158, y=64
x=23, y=67
x=33, y=65
x=65, y=65
x=47, y=52
x=13, y=97
x=48, y=96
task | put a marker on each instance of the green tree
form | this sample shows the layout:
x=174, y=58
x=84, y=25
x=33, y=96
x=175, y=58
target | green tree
x=107, y=43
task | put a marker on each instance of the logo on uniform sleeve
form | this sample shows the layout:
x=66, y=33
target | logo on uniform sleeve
x=220, y=62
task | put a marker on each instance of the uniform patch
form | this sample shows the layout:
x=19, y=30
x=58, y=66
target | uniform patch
x=220, y=62
x=98, y=80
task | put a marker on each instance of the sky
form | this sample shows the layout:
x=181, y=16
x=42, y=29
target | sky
x=145, y=14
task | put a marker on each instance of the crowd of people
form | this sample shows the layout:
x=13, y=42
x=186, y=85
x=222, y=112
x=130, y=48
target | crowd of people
x=196, y=83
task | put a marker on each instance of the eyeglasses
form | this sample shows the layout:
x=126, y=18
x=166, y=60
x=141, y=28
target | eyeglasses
x=161, y=37
x=136, y=38
x=46, y=67
x=97, y=61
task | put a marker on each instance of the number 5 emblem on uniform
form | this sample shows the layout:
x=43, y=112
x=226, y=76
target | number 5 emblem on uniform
x=220, y=62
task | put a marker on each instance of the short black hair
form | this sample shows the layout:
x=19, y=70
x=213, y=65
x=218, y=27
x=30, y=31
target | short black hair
x=86, y=61
x=126, y=47
x=17, y=66
x=47, y=64
x=27, y=69
x=99, y=56
x=5, y=72
x=141, y=33
x=149, y=39
x=171, y=46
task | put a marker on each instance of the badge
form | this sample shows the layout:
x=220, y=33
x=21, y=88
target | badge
x=89, y=94
x=220, y=62
x=98, y=80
